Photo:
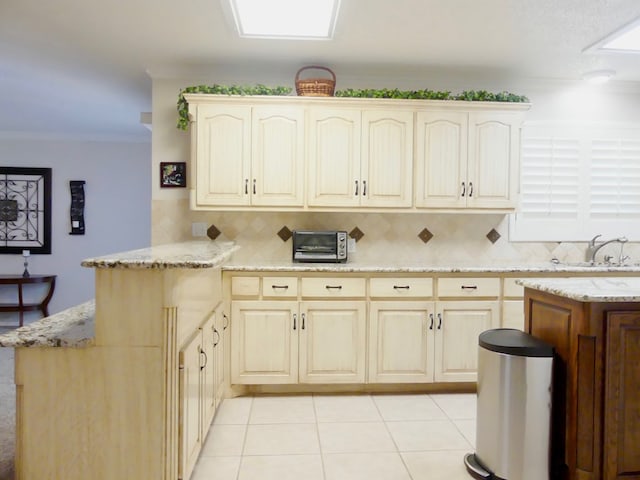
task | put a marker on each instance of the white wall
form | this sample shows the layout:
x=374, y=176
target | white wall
x=117, y=208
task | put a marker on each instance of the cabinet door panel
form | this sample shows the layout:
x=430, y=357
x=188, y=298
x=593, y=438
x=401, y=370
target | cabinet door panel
x=401, y=342
x=456, y=343
x=387, y=158
x=622, y=397
x=223, y=155
x=190, y=432
x=332, y=342
x=334, y=157
x=493, y=150
x=208, y=373
x=441, y=159
x=277, y=156
x=264, y=344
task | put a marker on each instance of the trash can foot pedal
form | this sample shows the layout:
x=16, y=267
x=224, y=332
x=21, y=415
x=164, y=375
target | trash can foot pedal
x=475, y=469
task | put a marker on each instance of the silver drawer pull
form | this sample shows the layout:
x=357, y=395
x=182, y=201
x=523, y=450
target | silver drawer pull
x=333, y=287
x=469, y=287
x=282, y=287
x=401, y=287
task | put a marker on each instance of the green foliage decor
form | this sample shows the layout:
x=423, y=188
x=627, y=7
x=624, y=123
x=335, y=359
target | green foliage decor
x=183, y=108
x=426, y=94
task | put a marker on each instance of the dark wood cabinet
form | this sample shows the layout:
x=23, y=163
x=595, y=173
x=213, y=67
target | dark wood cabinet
x=595, y=431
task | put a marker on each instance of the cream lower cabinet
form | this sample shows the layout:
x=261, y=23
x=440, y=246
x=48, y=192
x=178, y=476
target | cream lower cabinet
x=192, y=383
x=420, y=342
x=457, y=327
x=401, y=342
x=282, y=342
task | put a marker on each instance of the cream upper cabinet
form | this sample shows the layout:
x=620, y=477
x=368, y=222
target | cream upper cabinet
x=360, y=158
x=467, y=159
x=277, y=153
x=223, y=155
x=493, y=167
x=387, y=159
x=334, y=157
x=249, y=156
x=301, y=154
x=441, y=159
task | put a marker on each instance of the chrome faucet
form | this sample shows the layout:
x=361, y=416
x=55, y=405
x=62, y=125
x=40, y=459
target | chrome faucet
x=592, y=248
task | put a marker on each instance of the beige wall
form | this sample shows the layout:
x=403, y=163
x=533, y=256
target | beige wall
x=457, y=237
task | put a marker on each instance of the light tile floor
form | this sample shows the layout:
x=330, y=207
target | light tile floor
x=340, y=437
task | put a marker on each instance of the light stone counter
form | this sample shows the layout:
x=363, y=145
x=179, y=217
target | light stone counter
x=586, y=289
x=196, y=254
x=238, y=264
x=73, y=327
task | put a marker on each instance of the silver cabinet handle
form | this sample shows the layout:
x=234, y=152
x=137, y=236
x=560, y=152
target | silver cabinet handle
x=246, y=186
x=439, y=321
x=254, y=186
x=471, y=189
x=401, y=287
x=226, y=321
x=356, y=188
x=215, y=344
x=469, y=287
x=280, y=287
x=294, y=320
x=464, y=189
x=333, y=287
x=364, y=188
x=303, y=318
x=431, y=321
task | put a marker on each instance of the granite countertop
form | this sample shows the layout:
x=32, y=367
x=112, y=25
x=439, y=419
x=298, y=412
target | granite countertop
x=237, y=264
x=73, y=327
x=585, y=289
x=196, y=254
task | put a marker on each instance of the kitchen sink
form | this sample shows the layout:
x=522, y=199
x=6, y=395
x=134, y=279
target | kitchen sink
x=595, y=264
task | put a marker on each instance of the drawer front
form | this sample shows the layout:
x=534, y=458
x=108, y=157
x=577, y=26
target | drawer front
x=409, y=287
x=468, y=287
x=245, y=286
x=511, y=289
x=333, y=287
x=280, y=287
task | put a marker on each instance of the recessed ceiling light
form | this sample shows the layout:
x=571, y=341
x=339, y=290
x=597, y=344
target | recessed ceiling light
x=311, y=19
x=599, y=76
x=624, y=40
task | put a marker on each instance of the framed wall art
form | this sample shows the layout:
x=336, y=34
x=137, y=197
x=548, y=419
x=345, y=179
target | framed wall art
x=173, y=174
x=25, y=210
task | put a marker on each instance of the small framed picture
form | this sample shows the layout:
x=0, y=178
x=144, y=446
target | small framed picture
x=173, y=174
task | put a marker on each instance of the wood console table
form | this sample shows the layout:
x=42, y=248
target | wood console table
x=21, y=306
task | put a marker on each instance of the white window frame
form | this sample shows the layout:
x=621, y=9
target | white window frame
x=525, y=227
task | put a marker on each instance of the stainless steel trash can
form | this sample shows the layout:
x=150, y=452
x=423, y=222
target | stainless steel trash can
x=514, y=407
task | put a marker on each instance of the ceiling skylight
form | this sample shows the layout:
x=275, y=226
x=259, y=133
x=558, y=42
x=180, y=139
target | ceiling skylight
x=313, y=19
x=624, y=40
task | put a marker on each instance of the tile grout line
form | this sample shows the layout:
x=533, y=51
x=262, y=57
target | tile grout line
x=244, y=440
x=315, y=414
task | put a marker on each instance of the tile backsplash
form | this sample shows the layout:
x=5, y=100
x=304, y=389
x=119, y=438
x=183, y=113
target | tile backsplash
x=388, y=237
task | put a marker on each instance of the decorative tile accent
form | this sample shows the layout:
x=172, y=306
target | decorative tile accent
x=213, y=232
x=425, y=235
x=285, y=234
x=356, y=234
x=493, y=236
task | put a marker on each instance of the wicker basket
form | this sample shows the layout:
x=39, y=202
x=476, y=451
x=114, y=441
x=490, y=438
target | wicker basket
x=315, y=87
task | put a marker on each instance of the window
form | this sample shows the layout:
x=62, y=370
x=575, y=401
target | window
x=577, y=182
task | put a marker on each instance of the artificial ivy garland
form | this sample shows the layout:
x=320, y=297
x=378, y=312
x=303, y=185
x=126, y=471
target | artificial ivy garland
x=426, y=94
